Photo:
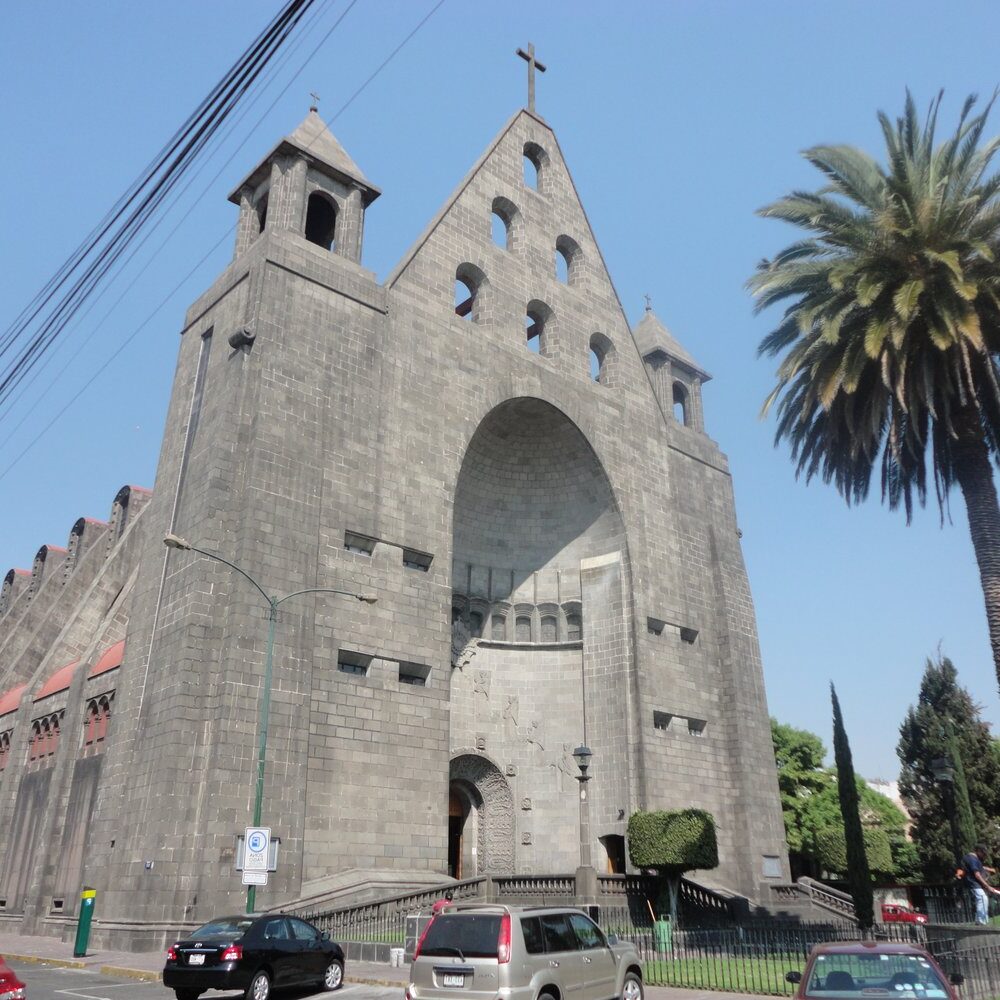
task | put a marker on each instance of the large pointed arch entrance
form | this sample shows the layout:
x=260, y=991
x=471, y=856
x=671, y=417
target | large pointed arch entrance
x=480, y=819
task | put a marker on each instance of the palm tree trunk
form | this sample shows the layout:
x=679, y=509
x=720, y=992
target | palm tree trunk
x=974, y=473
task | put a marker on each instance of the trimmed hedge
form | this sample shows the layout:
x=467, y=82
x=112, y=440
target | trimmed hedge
x=831, y=850
x=678, y=840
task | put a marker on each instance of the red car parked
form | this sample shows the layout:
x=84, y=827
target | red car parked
x=897, y=913
x=11, y=988
x=851, y=970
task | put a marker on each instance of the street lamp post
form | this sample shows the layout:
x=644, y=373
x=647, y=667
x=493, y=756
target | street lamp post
x=175, y=542
x=944, y=773
x=586, y=875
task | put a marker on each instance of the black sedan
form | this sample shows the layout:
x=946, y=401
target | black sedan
x=253, y=954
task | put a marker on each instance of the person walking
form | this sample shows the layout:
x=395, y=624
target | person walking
x=973, y=866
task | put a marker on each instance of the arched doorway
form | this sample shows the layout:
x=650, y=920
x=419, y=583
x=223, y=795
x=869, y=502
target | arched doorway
x=480, y=819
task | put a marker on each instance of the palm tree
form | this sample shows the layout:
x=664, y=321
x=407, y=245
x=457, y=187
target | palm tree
x=891, y=325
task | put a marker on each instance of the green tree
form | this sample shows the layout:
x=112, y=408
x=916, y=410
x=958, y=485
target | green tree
x=831, y=850
x=672, y=843
x=965, y=825
x=798, y=755
x=859, y=880
x=946, y=722
x=892, y=324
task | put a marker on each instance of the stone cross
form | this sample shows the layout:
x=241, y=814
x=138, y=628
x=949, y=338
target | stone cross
x=533, y=64
x=649, y=303
x=315, y=101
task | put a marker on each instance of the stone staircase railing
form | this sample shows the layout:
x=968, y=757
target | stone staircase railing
x=827, y=898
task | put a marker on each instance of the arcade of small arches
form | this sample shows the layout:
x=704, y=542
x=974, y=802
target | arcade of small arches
x=46, y=733
x=506, y=622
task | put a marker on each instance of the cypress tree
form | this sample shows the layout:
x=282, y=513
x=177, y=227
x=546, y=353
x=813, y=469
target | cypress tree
x=965, y=825
x=859, y=881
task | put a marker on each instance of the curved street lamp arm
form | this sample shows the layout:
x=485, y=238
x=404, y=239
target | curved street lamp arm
x=212, y=555
x=367, y=598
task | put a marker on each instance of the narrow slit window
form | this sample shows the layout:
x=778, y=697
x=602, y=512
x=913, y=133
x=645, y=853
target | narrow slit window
x=362, y=544
x=412, y=559
x=415, y=674
x=498, y=628
x=681, y=414
x=661, y=720
x=574, y=627
x=350, y=662
x=522, y=629
x=654, y=626
x=696, y=727
x=549, y=628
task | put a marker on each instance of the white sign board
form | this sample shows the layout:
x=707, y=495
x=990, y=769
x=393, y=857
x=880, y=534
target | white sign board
x=257, y=840
x=254, y=878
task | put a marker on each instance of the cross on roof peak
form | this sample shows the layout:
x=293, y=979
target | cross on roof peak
x=533, y=64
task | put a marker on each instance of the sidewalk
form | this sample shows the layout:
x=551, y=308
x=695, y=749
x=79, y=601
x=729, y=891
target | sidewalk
x=147, y=965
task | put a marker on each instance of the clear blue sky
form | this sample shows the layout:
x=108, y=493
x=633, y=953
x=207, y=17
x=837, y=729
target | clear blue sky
x=678, y=120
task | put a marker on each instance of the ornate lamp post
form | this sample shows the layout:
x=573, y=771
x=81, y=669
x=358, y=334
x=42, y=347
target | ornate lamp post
x=586, y=876
x=944, y=773
x=175, y=542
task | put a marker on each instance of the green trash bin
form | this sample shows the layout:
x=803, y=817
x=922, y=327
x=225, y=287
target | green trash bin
x=87, y=898
x=662, y=934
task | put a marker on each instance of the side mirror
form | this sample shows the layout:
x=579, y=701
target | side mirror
x=793, y=977
x=325, y=936
x=956, y=979
x=613, y=939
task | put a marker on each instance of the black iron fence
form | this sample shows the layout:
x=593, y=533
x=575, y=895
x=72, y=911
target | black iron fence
x=979, y=964
x=753, y=958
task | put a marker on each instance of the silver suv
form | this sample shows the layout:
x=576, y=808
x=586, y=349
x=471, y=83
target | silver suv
x=473, y=951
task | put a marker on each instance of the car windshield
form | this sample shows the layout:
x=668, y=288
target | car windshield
x=224, y=927
x=474, y=935
x=846, y=976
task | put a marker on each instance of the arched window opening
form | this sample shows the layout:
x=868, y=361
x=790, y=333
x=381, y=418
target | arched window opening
x=90, y=724
x=562, y=268
x=103, y=716
x=574, y=627
x=569, y=259
x=499, y=230
x=537, y=317
x=321, y=220
x=549, y=631
x=601, y=352
x=505, y=216
x=498, y=628
x=522, y=629
x=475, y=624
x=261, y=209
x=4, y=750
x=535, y=159
x=681, y=414
x=469, y=281
x=35, y=743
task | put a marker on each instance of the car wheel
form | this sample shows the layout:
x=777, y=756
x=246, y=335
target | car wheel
x=632, y=988
x=260, y=986
x=334, y=977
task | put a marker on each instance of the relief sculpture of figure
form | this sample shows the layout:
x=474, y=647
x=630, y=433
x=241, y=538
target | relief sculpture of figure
x=463, y=643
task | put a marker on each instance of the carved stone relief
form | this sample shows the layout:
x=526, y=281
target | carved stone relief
x=495, y=847
x=464, y=644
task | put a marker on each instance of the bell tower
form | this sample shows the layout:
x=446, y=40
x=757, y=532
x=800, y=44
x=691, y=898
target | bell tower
x=306, y=185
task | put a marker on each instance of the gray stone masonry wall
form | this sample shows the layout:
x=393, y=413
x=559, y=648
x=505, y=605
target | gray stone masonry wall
x=505, y=477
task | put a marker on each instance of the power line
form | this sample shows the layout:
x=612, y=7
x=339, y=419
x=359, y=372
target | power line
x=118, y=351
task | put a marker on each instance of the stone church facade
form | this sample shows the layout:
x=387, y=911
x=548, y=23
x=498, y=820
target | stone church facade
x=482, y=443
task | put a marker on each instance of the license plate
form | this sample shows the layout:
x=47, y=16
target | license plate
x=453, y=980
x=196, y=959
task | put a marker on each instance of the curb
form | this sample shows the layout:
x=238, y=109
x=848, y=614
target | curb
x=142, y=975
x=61, y=963
x=371, y=981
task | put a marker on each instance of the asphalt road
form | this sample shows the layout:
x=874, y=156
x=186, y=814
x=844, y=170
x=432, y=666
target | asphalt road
x=46, y=982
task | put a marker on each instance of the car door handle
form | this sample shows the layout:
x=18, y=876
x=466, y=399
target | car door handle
x=587, y=960
x=555, y=965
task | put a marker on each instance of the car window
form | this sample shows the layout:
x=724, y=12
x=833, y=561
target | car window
x=848, y=976
x=231, y=927
x=587, y=932
x=468, y=935
x=276, y=930
x=531, y=931
x=558, y=933
x=302, y=931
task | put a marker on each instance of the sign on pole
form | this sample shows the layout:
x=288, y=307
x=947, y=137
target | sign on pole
x=256, y=844
x=254, y=878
